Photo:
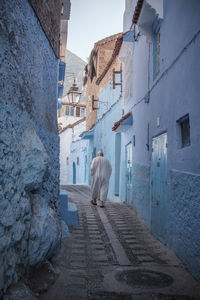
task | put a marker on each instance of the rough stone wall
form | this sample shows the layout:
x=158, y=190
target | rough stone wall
x=29, y=144
x=104, y=54
x=184, y=218
x=48, y=12
x=28, y=73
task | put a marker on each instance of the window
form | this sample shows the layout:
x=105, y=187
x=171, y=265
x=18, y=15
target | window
x=67, y=110
x=82, y=112
x=78, y=111
x=157, y=53
x=117, y=80
x=184, y=131
x=71, y=111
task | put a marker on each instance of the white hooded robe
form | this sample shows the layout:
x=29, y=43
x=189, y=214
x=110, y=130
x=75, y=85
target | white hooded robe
x=100, y=171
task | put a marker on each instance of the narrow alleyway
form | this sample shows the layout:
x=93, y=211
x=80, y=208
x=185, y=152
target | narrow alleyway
x=112, y=255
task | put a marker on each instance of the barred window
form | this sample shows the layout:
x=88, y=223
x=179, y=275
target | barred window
x=71, y=111
x=67, y=110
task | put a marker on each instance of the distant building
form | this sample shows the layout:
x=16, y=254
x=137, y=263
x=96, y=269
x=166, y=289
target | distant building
x=68, y=135
x=104, y=96
x=71, y=123
x=98, y=73
x=70, y=112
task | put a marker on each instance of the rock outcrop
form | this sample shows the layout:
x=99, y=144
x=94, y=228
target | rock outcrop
x=30, y=229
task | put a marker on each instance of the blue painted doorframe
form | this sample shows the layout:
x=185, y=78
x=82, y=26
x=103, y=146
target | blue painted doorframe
x=129, y=163
x=159, y=186
x=74, y=173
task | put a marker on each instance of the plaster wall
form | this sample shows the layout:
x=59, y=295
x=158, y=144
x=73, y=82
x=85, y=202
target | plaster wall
x=66, y=138
x=128, y=14
x=79, y=149
x=65, y=142
x=29, y=145
x=108, y=97
x=49, y=21
x=66, y=120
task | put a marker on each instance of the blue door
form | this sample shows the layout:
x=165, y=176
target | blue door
x=85, y=168
x=129, y=165
x=94, y=152
x=74, y=173
x=117, y=162
x=159, y=186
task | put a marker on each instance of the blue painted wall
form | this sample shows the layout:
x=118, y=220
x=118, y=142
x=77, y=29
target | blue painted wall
x=79, y=157
x=28, y=85
x=173, y=94
x=110, y=102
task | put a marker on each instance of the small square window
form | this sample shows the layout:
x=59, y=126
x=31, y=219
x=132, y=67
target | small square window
x=184, y=129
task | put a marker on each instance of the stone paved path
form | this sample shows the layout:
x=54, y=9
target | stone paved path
x=112, y=255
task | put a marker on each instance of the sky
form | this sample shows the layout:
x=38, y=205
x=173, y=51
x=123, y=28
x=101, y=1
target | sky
x=93, y=20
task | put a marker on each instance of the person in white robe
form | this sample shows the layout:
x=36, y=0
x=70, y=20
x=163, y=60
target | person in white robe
x=100, y=171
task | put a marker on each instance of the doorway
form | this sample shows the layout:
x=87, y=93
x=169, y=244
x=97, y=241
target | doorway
x=117, y=162
x=129, y=164
x=74, y=173
x=159, y=186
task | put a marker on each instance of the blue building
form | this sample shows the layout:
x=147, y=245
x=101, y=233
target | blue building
x=160, y=150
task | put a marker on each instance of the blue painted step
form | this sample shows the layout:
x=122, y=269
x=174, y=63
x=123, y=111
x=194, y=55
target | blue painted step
x=68, y=211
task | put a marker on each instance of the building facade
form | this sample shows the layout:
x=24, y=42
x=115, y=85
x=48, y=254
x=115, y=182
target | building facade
x=68, y=135
x=160, y=149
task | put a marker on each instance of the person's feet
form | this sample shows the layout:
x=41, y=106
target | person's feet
x=93, y=202
x=101, y=204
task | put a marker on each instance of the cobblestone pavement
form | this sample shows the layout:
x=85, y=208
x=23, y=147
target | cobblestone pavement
x=112, y=255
